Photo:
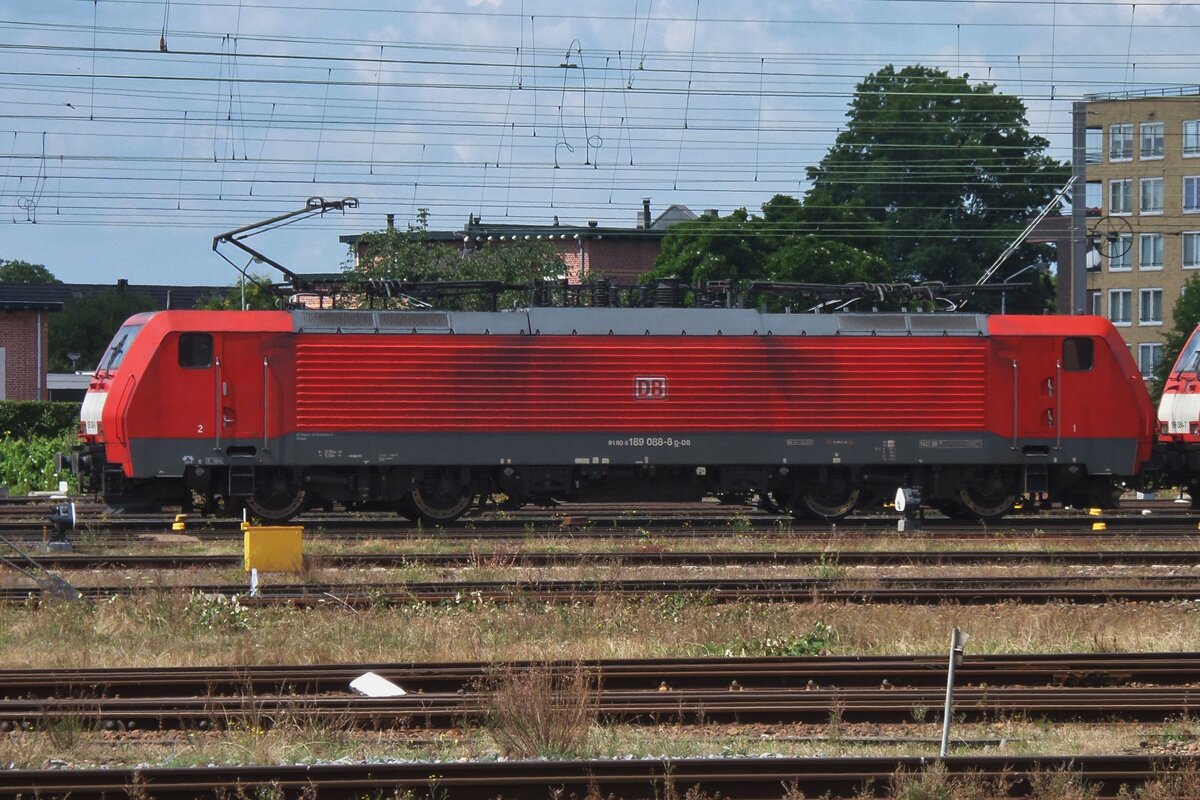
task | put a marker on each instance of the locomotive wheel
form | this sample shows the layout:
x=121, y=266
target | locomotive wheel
x=276, y=497
x=407, y=509
x=988, y=495
x=829, y=499
x=440, y=499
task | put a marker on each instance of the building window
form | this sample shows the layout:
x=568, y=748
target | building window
x=1191, y=250
x=1094, y=146
x=1120, y=142
x=1191, y=193
x=1094, y=301
x=1150, y=251
x=1120, y=255
x=1149, y=306
x=1152, y=195
x=1191, y=138
x=1148, y=358
x=1119, y=301
x=1151, y=140
x=1120, y=197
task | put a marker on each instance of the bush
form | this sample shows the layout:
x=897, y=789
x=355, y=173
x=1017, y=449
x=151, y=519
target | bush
x=27, y=464
x=29, y=418
x=542, y=711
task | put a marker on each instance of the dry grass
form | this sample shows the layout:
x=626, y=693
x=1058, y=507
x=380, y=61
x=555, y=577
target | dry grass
x=167, y=629
x=541, y=711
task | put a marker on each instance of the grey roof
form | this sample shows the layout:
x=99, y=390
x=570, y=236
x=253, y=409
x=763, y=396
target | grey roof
x=637, y=322
x=51, y=296
x=28, y=297
x=481, y=230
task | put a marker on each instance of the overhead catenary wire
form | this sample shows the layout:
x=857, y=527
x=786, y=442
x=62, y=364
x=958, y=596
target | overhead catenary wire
x=386, y=114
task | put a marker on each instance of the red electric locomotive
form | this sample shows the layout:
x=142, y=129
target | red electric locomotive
x=1179, y=419
x=425, y=412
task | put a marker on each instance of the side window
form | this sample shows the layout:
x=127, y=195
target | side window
x=195, y=350
x=1078, y=354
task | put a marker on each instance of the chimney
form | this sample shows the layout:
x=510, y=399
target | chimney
x=646, y=213
x=122, y=284
x=391, y=222
x=593, y=223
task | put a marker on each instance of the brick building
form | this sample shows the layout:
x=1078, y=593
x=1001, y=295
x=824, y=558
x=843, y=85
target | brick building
x=619, y=254
x=24, y=343
x=1143, y=172
x=25, y=310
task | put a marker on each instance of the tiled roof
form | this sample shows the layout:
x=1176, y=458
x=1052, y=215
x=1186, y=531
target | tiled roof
x=51, y=296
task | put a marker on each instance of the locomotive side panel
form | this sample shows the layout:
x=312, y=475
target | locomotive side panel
x=635, y=400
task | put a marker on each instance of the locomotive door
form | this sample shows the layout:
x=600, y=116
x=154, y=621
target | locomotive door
x=241, y=411
x=1037, y=398
x=1078, y=360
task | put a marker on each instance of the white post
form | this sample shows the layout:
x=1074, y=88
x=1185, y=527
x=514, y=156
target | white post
x=957, y=640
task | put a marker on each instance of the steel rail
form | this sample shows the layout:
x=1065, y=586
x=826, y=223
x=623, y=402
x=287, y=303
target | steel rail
x=445, y=711
x=735, y=779
x=807, y=672
x=697, y=517
x=477, y=558
x=962, y=590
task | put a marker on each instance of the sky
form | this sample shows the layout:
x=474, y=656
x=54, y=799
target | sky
x=132, y=132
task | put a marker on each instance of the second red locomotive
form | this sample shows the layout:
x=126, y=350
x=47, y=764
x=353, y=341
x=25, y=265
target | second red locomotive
x=425, y=412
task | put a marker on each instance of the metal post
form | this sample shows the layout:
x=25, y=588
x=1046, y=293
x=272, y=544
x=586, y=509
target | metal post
x=266, y=402
x=1077, y=293
x=957, y=640
x=219, y=415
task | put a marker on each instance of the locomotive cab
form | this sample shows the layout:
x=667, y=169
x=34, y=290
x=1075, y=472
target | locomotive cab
x=178, y=398
x=1179, y=409
x=1179, y=421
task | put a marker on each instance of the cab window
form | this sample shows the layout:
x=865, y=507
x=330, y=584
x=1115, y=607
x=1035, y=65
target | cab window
x=1078, y=354
x=195, y=350
x=1189, y=357
x=115, y=353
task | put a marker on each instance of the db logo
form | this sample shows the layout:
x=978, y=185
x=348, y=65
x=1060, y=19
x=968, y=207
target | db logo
x=650, y=387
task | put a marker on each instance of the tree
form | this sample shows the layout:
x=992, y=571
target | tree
x=24, y=272
x=934, y=174
x=711, y=249
x=86, y=325
x=255, y=292
x=1184, y=319
x=778, y=246
x=407, y=255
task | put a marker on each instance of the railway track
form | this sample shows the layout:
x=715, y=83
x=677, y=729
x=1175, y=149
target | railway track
x=543, y=559
x=734, y=779
x=961, y=590
x=696, y=519
x=1149, y=688
x=775, y=673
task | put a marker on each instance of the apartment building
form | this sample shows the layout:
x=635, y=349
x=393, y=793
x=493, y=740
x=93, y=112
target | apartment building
x=1143, y=175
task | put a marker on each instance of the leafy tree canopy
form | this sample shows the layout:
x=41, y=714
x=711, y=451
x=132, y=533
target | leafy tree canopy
x=17, y=271
x=408, y=255
x=1184, y=320
x=934, y=174
x=773, y=247
x=255, y=292
x=86, y=325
